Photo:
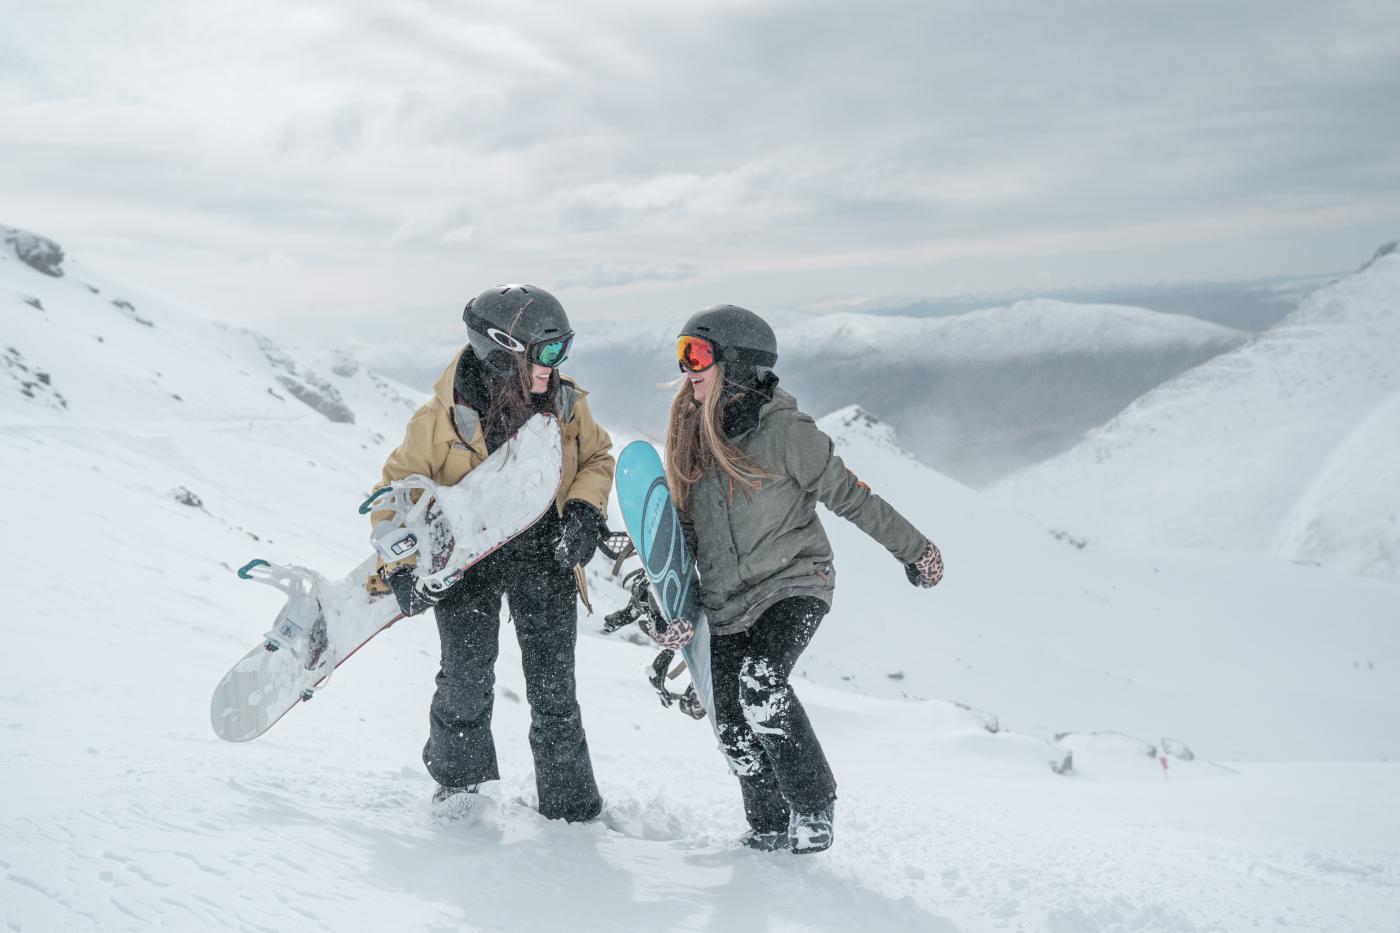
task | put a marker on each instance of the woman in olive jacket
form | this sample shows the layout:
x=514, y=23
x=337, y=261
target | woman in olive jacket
x=746, y=469
x=518, y=336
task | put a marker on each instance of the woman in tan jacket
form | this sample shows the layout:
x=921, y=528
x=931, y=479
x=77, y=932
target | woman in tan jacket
x=518, y=336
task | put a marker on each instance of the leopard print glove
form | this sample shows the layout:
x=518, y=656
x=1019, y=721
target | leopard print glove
x=928, y=569
x=674, y=635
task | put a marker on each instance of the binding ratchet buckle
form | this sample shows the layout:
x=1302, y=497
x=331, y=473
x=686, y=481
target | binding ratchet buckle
x=410, y=524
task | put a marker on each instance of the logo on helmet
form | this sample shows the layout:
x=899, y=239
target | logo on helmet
x=505, y=340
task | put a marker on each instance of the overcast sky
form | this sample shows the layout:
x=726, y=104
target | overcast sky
x=336, y=163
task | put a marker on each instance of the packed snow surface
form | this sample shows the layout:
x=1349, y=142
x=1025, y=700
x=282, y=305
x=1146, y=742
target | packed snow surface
x=1093, y=739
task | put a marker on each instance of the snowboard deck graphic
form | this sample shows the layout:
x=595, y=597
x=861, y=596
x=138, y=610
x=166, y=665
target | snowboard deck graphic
x=655, y=528
x=324, y=622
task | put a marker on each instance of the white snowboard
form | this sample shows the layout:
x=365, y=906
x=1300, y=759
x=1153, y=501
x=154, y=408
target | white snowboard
x=324, y=622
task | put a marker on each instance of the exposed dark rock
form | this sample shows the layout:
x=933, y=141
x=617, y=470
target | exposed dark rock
x=1389, y=249
x=33, y=383
x=130, y=310
x=307, y=386
x=1078, y=544
x=990, y=722
x=327, y=404
x=39, y=253
x=183, y=496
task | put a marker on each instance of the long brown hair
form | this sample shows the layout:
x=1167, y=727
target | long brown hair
x=695, y=443
x=512, y=402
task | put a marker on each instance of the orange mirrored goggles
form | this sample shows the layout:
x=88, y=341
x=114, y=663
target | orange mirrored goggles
x=695, y=354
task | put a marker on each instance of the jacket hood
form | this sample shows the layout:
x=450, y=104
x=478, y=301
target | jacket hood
x=747, y=406
x=783, y=400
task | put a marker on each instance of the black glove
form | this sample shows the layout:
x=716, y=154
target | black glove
x=579, y=533
x=411, y=598
x=927, y=570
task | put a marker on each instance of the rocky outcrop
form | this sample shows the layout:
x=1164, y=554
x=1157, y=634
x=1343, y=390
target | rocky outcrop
x=307, y=386
x=40, y=253
x=34, y=383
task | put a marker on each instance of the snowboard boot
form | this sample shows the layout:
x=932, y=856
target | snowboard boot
x=455, y=803
x=812, y=832
x=771, y=840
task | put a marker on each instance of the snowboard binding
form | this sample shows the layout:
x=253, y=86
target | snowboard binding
x=643, y=609
x=300, y=626
x=399, y=540
x=638, y=605
x=687, y=702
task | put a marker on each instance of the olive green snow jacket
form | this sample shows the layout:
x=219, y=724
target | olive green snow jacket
x=758, y=543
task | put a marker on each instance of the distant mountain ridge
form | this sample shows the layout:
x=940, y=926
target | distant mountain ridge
x=974, y=395
x=1289, y=444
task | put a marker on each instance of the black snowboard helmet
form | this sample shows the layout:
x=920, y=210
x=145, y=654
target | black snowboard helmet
x=513, y=320
x=742, y=341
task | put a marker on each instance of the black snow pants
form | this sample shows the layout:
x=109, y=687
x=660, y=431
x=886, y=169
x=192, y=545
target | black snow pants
x=541, y=595
x=763, y=729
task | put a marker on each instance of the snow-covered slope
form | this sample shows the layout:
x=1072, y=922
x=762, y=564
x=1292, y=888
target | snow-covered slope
x=974, y=395
x=119, y=810
x=1240, y=656
x=1350, y=516
x=1286, y=445
x=79, y=349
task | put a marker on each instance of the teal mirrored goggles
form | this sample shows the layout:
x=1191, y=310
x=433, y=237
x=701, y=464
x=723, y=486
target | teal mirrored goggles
x=551, y=353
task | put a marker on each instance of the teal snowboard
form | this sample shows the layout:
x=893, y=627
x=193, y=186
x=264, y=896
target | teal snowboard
x=655, y=529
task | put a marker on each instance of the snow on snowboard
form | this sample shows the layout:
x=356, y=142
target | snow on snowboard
x=324, y=622
x=655, y=528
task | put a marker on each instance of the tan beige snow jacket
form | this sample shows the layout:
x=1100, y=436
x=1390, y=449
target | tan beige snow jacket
x=433, y=447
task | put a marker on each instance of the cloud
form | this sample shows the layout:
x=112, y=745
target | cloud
x=606, y=205
x=444, y=227
x=760, y=139
x=280, y=259
x=599, y=276
x=329, y=134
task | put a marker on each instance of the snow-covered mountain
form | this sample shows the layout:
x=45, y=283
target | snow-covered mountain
x=79, y=349
x=1287, y=445
x=945, y=713
x=975, y=395
x=1054, y=633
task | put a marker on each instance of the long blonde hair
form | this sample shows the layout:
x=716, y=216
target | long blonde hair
x=695, y=443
